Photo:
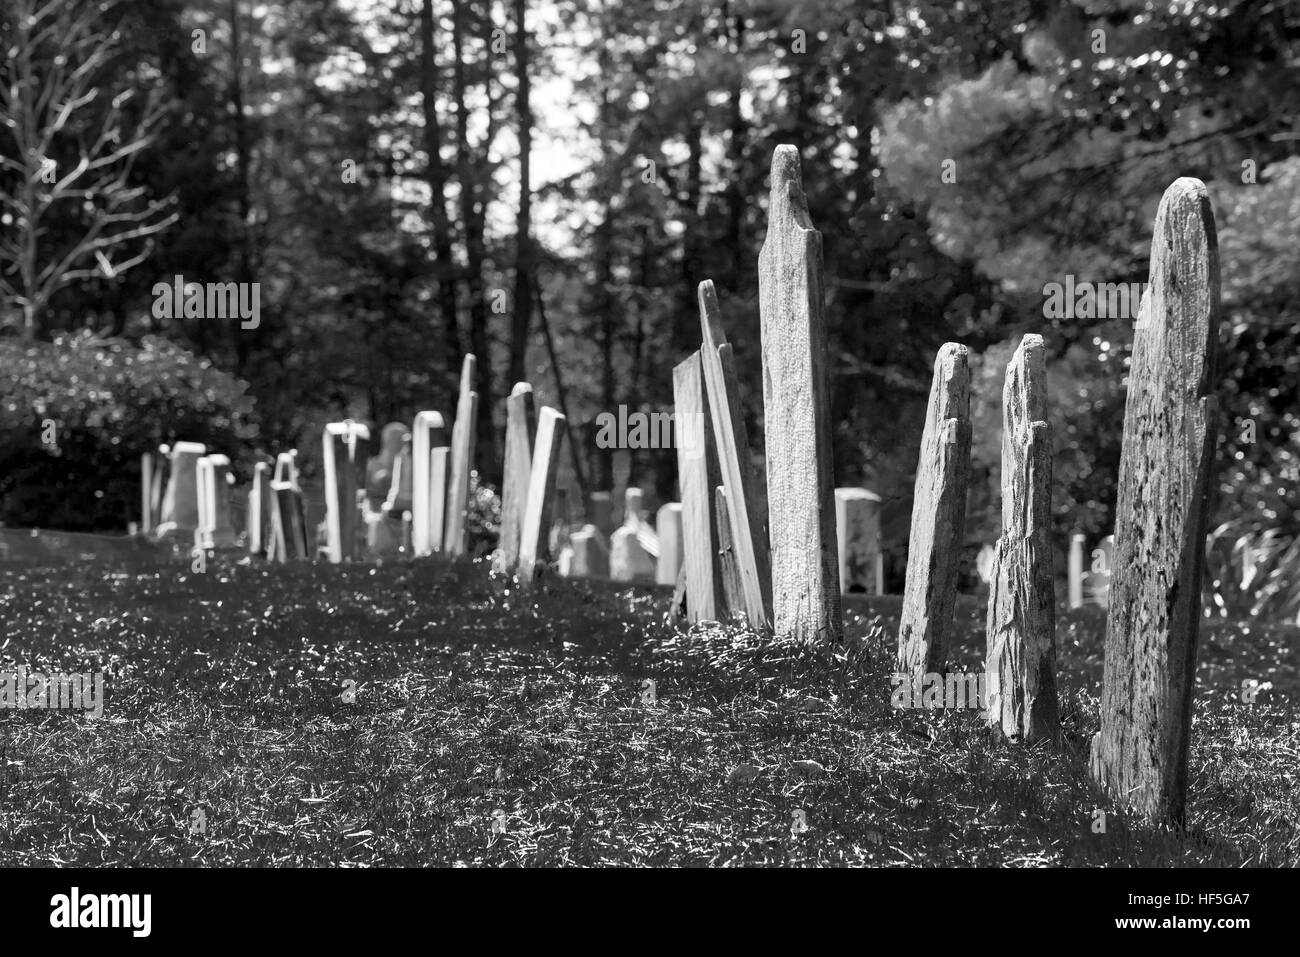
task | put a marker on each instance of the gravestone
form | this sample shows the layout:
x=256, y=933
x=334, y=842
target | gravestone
x=857, y=523
x=938, y=518
x=1020, y=636
x=538, y=508
x=668, y=524
x=259, y=510
x=697, y=477
x=796, y=403
x=629, y=558
x=180, y=506
x=389, y=487
x=344, y=459
x=590, y=553
x=747, y=503
x=1166, y=474
x=216, y=529
x=462, y=462
x=429, y=482
x=1076, y=570
x=521, y=432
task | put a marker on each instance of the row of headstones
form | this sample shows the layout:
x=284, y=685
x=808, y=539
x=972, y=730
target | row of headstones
x=1155, y=562
x=784, y=569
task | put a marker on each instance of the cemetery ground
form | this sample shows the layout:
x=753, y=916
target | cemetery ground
x=226, y=738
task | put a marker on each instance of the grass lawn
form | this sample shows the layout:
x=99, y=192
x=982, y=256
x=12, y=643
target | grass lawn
x=224, y=696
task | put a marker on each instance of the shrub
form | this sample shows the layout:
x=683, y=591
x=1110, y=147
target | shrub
x=104, y=402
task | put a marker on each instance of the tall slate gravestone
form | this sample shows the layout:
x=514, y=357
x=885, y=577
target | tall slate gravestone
x=1021, y=635
x=521, y=432
x=534, y=537
x=800, y=476
x=697, y=475
x=747, y=503
x=938, y=518
x=462, y=462
x=429, y=440
x=344, y=457
x=216, y=528
x=1161, y=515
x=180, y=506
x=388, y=490
x=668, y=524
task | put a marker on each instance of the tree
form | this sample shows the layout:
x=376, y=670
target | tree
x=70, y=140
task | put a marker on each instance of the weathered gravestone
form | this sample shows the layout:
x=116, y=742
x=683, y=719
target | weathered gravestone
x=857, y=521
x=590, y=553
x=668, y=525
x=600, y=512
x=344, y=459
x=747, y=504
x=521, y=432
x=1165, y=478
x=800, y=477
x=216, y=529
x=180, y=506
x=388, y=490
x=429, y=489
x=259, y=510
x=1021, y=633
x=534, y=544
x=462, y=462
x=697, y=477
x=288, y=516
x=938, y=518
x=629, y=557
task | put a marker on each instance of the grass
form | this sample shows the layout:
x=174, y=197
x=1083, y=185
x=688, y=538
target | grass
x=224, y=697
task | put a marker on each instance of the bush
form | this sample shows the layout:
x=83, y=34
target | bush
x=103, y=402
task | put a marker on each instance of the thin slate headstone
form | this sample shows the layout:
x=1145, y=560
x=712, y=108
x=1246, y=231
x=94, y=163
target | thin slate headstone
x=462, y=462
x=1161, y=516
x=748, y=503
x=533, y=544
x=590, y=553
x=800, y=476
x=629, y=559
x=428, y=434
x=180, y=506
x=344, y=461
x=521, y=432
x=1021, y=634
x=938, y=518
x=697, y=477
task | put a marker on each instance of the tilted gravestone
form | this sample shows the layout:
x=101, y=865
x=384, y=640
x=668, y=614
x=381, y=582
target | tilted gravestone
x=796, y=403
x=697, y=477
x=747, y=503
x=534, y=537
x=259, y=510
x=462, y=462
x=1161, y=513
x=180, y=506
x=938, y=518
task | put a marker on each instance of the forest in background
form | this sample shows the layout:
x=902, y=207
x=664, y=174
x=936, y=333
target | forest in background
x=362, y=161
